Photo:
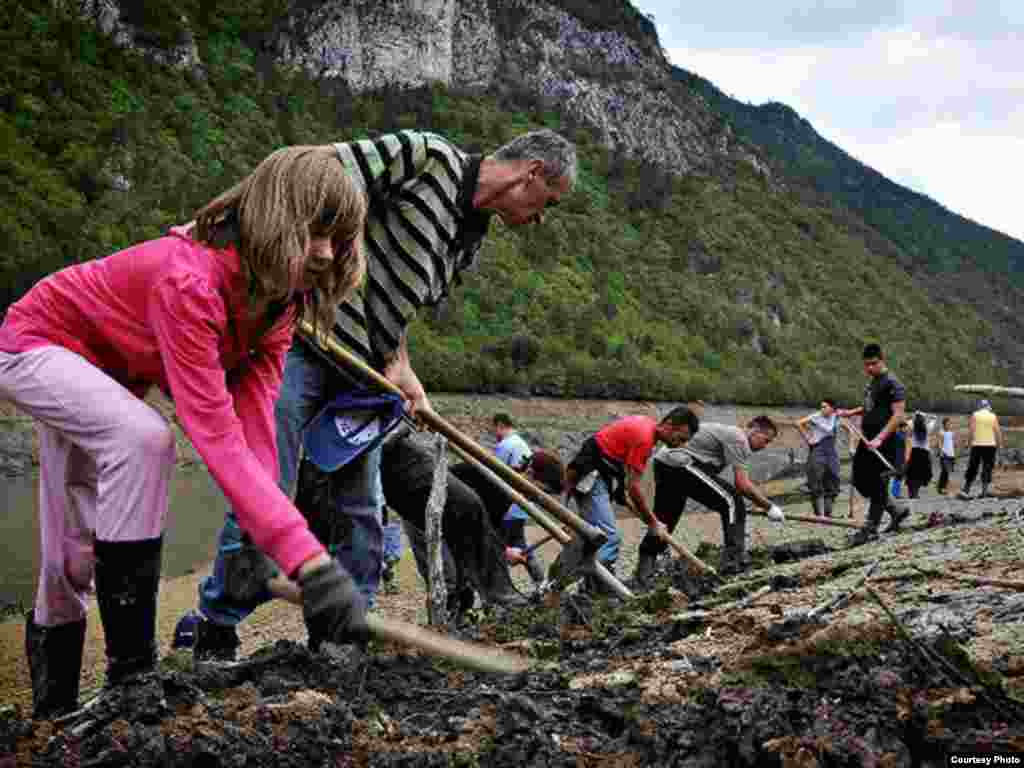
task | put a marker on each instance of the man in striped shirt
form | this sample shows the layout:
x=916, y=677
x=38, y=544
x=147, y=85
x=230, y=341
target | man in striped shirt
x=430, y=205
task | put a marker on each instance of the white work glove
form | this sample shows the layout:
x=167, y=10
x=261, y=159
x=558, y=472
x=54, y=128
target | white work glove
x=775, y=513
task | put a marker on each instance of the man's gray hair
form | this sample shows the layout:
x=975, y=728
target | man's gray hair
x=557, y=153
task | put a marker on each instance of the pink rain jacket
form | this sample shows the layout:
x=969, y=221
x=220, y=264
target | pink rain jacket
x=172, y=312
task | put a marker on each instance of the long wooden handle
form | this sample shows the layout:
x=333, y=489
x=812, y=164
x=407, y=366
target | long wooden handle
x=680, y=550
x=808, y=519
x=545, y=522
x=591, y=533
x=470, y=655
x=553, y=529
x=687, y=555
x=878, y=453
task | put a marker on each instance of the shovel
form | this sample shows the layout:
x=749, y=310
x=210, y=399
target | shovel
x=472, y=655
x=511, y=481
x=808, y=519
x=554, y=530
x=680, y=550
x=890, y=470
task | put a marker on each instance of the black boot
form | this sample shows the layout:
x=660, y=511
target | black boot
x=816, y=505
x=215, y=642
x=869, y=532
x=55, y=664
x=127, y=582
x=827, y=505
x=897, y=514
x=535, y=567
x=644, y=569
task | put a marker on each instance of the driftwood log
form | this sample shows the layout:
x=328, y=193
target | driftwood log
x=437, y=603
x=990, y=389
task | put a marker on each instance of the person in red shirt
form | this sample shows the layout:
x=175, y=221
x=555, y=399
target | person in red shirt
x=205, y=313
x=608, y=467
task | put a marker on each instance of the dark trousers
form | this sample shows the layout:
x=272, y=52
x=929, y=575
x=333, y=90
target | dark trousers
x=946, y=466
x=985, y=456
x=823, y=469
x=478, y=554
x=674, y=485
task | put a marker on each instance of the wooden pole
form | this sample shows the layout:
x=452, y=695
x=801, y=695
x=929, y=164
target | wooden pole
x=853, y=430
x=437, y=602
x=554, y=530
x=591, y=533
x=471, y=655
x=809, y=519
x=541, y=518
x=679, y=549
x=688, y=556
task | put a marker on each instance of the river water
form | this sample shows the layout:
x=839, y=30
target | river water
x=197, y=510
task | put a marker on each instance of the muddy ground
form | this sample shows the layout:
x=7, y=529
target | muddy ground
x=902, y=669
x=682, y=676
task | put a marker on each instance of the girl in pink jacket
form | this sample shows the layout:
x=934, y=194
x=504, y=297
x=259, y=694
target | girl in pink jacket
x=206, y=314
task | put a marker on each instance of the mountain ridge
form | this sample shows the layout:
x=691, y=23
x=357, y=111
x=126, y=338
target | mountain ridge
x=719, y=278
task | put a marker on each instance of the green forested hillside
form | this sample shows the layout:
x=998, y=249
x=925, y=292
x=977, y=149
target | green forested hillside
x=930, y=235
x=722, y=287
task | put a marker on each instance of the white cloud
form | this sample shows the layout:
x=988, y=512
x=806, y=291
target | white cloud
x=939, y=113
x=975, y=176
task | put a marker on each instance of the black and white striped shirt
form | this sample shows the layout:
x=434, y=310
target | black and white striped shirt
x=421, y=231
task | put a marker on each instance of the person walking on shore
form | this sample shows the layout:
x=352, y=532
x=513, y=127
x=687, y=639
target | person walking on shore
x=206, y=314
x=947, y=454
x=882, y=414
x=919, y=455
x=819, y=430
x=984, y=439
x=692, y=472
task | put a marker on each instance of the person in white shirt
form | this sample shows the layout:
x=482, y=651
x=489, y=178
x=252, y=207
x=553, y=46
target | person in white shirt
x=947, y=454
x=819, y=431
x=918, y=459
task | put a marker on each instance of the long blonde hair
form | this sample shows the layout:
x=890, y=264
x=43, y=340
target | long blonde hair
x=296, y=193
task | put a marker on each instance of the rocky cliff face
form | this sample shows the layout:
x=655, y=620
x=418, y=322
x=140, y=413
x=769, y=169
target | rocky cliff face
x=614, y=82
x=603, y=78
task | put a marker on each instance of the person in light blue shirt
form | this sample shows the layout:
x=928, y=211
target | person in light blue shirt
x=513, y=450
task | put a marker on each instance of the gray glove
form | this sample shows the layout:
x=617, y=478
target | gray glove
x=334, y=609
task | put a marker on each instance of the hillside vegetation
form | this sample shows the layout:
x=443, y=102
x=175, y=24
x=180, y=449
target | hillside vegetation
x=725, y=287
x=946, y=252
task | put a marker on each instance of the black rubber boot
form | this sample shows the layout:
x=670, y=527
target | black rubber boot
x=215, y=642
x=127, y=582
x=816, y=505
x=644, y=569
x=897, y=514
x=827, y=505
x=869, y=531
x=55, y=665
x=535, y=567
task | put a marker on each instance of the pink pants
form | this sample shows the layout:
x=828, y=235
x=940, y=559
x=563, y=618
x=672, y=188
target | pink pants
x=105, y=461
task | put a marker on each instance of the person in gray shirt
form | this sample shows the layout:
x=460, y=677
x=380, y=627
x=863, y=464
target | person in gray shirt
x=819, y=432
x=692, y=472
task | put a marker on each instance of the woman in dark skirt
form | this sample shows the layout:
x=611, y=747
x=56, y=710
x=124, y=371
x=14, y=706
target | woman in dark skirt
x=919, y=464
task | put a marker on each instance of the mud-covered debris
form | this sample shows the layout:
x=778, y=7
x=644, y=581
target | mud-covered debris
x=798, y=550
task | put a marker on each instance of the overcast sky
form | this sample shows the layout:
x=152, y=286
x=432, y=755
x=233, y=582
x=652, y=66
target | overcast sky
x=930, y=93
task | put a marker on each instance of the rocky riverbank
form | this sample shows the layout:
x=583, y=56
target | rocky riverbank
x=880, y=655
x=822, y=655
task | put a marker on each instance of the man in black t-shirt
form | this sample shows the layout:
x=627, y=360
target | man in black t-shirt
x=883, y=411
